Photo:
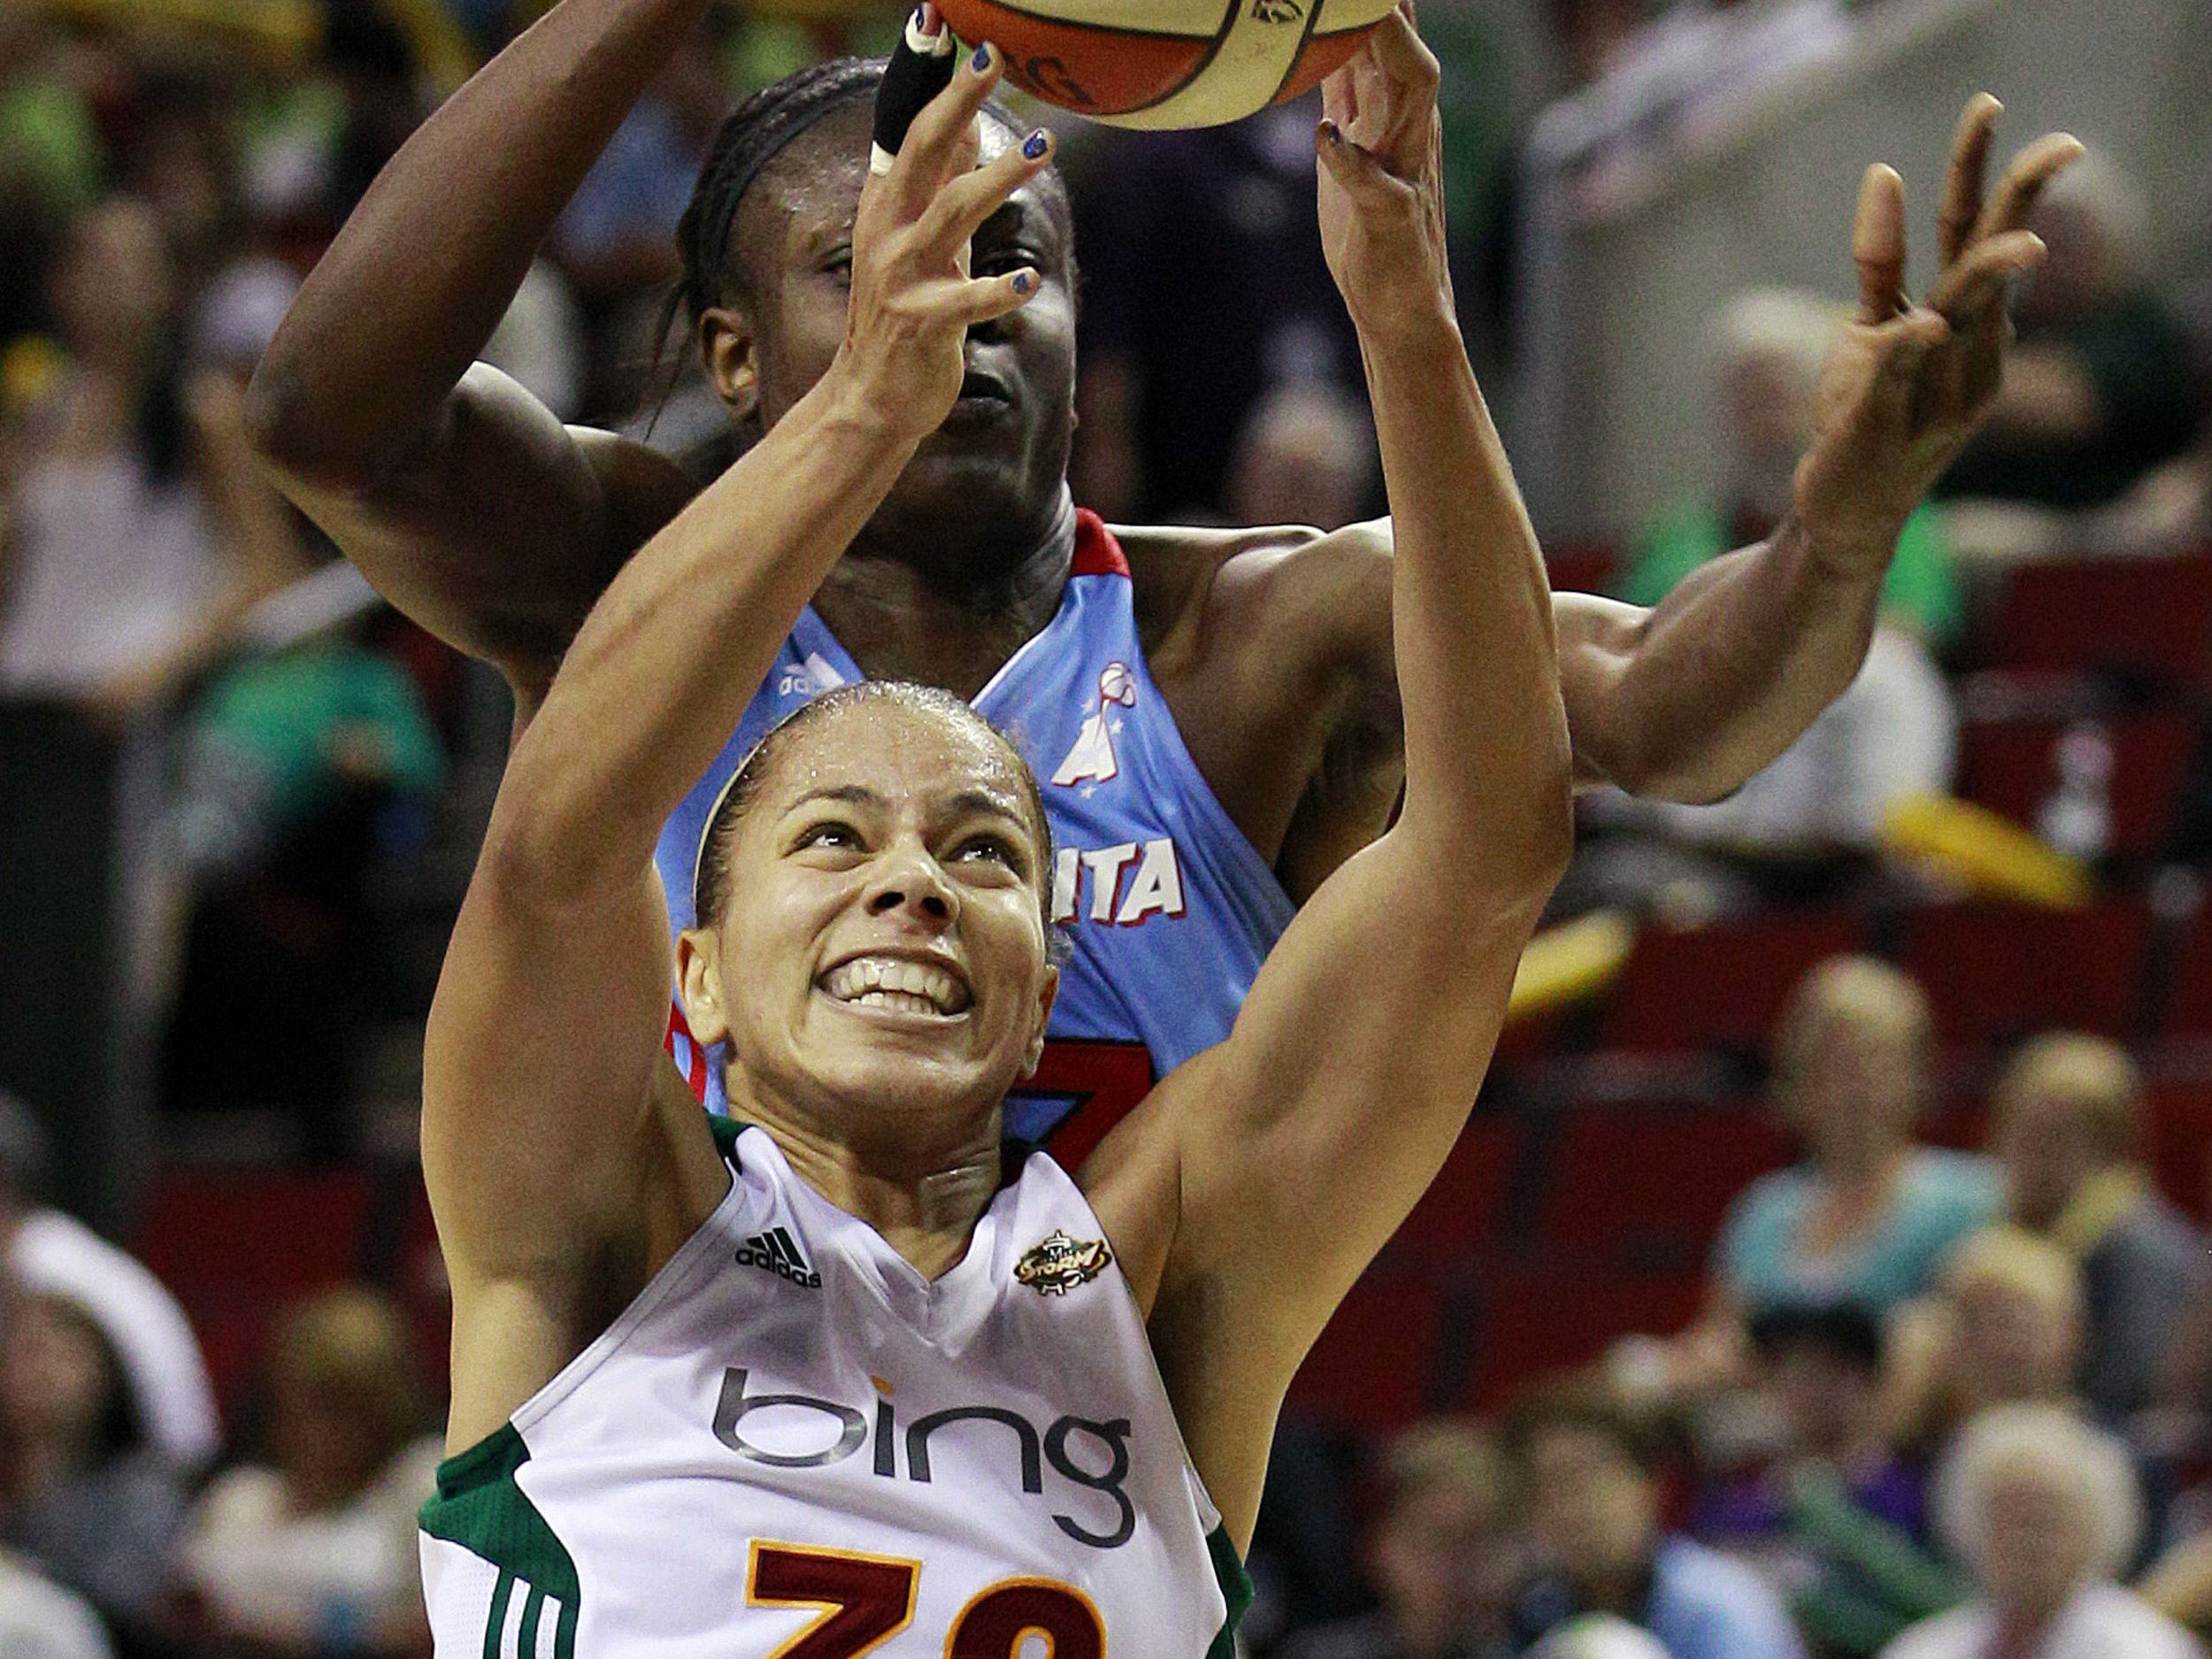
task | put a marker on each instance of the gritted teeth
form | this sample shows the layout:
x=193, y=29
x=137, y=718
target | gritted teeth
x=896, y=982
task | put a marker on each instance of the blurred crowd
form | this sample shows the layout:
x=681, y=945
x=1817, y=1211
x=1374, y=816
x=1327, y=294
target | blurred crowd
x=1940, y=1403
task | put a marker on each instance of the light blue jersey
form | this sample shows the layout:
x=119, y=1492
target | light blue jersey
x=1169, y=912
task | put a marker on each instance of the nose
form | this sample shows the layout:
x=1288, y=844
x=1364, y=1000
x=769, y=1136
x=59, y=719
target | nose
x=908, y=879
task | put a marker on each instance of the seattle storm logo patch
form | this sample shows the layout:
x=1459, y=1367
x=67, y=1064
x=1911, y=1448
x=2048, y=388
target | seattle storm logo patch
x=1060, y=1263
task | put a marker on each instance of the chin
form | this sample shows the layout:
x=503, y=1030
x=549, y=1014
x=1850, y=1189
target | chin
x=899, y=1082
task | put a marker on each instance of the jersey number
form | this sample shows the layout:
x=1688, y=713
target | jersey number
x=866, y=1599
x=1104, y=1082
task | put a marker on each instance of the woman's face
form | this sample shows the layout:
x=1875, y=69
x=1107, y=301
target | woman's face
x=880, y=956
x=57, y=1379
x=1859, y=1089
x=2009, y=1345
x=2038, y=1546
x=114, y=288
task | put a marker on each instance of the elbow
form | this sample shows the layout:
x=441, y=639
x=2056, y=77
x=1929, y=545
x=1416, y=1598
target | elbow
x=278, y=413
x=551, y=852
x=290, y=423
x=1552, y=835
x=1548, y=844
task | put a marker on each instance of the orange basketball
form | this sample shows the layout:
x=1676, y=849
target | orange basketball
x=1167, y=63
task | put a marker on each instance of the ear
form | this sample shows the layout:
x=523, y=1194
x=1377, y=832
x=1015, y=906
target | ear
x=699, y=982
x=730, y=345
x=1045, y=995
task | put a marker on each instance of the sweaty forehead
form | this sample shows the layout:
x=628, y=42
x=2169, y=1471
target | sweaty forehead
x=900, y=753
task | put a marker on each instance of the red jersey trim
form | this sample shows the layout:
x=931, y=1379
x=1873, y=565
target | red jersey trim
x=1096, y=552
x=684, y=1049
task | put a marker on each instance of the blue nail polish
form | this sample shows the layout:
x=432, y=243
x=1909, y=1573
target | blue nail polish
x=1033, y=146
x=1024, y=281
x=983, y=58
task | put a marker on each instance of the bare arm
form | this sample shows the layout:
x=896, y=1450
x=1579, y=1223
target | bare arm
x=459, y=496
x=1356, y=1057
x=544, y=1072
x=1688, y=701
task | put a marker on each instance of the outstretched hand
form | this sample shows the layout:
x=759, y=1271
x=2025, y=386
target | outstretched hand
x=1908, y=384
x=912, y=299
x=1381, y=179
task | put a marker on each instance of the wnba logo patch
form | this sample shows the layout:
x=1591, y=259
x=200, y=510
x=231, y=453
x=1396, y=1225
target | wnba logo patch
x=1060, y=1263
x=1092, y=759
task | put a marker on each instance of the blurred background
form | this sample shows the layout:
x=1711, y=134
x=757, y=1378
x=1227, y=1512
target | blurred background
x=1822, y=1269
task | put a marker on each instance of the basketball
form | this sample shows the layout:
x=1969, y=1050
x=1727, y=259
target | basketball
x=1167, y=63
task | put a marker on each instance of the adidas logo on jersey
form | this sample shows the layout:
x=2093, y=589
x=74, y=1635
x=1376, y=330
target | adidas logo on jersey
x=776, y=1251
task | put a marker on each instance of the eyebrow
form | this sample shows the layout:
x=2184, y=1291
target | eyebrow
x=984, y=800
x=851, y=794
x=861, y=795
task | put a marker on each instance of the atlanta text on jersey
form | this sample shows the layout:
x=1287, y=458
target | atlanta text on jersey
x=1124, y=884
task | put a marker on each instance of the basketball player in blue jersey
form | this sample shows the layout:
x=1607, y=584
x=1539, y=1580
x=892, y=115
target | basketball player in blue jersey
x=857, y=1379
x=1215, y=714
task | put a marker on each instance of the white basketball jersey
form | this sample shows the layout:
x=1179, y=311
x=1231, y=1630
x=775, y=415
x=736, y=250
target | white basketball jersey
x=793, y=1445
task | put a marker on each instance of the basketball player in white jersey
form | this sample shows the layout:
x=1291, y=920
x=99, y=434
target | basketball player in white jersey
x=846, y=1379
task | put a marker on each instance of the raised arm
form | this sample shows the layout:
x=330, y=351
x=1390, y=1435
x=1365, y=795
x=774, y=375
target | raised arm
x=544, y=1070
x=1687, y=701
x=460, y=496
x=1301, y=1142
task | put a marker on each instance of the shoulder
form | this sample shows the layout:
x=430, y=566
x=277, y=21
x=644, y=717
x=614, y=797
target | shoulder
x=1717, y=1605
x=1291, y=591
x=1953, y=1635
x=1767, y=1204
x=1962, y=1185
x=2118, y=1616
x=1692, y=1573
x=2158, y=1232
x=41, y=1620
x=247, y=1500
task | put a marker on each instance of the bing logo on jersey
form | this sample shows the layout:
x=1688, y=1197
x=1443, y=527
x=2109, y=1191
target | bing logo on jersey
x=792, y=1436
x=1092, y=760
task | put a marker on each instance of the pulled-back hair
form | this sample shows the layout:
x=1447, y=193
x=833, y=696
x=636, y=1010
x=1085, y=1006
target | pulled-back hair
x=709, y=886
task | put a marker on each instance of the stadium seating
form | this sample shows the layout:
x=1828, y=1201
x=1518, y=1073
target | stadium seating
x=2180, y=1137
x=2141, y=619
x=1717, y=987
x=1550, y=1312
x=1459, y=1215
x=1653, y=1180
x=239, y=1246
x=2001, y=971
x=1371, y=1368
x=2010, y=766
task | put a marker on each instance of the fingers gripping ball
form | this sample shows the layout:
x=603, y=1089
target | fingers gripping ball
x=1168, y=63
x=921, y=67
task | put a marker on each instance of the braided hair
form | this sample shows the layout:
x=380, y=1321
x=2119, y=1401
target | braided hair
x=755, y=134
